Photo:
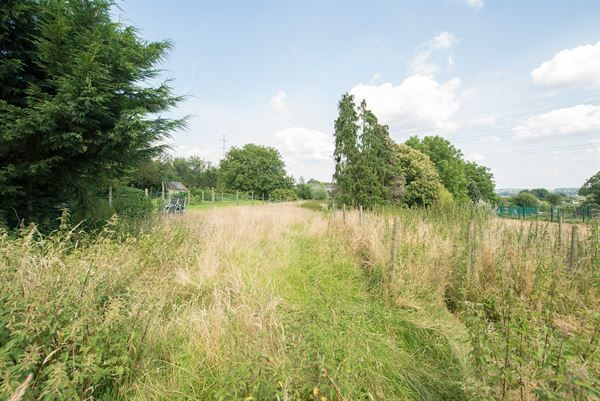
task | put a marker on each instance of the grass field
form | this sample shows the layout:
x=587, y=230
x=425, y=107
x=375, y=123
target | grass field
x=281, y=302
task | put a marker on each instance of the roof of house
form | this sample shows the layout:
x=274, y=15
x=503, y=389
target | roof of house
x=177, y=186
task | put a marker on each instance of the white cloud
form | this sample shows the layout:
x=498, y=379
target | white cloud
x=444, y=40
x=278, y=102
x=376, y=77
x=210, y=154
x=474, y=157
x=580, y=65
x=417, y=104
x=476, y=4
x=490, y=139
x=450, y=63
x=583, y=118
x=421, y=63
x=307, y=152
x=482, y=121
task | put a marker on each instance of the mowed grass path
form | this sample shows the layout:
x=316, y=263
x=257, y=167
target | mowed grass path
x=289, y=314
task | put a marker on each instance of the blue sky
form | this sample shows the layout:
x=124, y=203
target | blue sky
x=515, y=85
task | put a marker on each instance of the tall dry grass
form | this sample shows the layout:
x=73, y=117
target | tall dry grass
x=531, y=317
x=202, y=307
x=81, y=313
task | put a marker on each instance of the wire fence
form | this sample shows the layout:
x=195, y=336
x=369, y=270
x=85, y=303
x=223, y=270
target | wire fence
x=584, y=214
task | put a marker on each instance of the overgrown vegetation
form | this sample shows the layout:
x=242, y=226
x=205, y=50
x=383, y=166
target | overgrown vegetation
x=280, y=301
x=370, y=169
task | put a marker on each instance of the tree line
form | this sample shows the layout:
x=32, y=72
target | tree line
x=371, y=169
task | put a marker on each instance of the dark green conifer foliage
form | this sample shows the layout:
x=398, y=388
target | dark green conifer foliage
x=346, y=153
x=77, y=108
x=364, y=156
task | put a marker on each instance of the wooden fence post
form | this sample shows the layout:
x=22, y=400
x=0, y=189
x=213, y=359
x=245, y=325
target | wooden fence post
x=252, y=196
x=344, y=213
x=574, y=239
x=110, y=196
x=202, y=195
x=145, y=193
x=189, y=198
x=559, y=230
x=237, y=198
x=360, y=214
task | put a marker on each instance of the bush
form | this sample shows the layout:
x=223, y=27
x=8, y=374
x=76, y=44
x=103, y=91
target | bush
x=525, y=199
x=284, y=195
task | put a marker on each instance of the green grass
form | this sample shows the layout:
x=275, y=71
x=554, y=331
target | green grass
x=227, y=203
x=347, y=340
x=279, y=302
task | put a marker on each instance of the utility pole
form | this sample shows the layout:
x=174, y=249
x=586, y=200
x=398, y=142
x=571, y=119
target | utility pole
x=224, y=144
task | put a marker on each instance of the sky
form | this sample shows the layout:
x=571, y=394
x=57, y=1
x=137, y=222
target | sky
x=514, y=84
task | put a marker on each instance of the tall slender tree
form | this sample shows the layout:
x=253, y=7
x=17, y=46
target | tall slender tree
x=375, y=162
x=346, y=151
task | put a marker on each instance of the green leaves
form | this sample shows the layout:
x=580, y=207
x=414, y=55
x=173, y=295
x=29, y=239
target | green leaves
x=467, y=181
x=363, y=154
x=75, y=103
x=591, y=188
x=254, y=168
x=422, y=180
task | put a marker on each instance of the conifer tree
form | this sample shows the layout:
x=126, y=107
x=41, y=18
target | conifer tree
x=76, y=103
x=346, y=153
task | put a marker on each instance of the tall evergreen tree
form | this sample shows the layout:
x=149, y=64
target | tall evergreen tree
x=75, y=102
x=375, y=162
x=346, y=151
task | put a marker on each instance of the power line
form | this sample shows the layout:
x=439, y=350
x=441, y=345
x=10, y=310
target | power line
x=513, y=112
x=520, y=152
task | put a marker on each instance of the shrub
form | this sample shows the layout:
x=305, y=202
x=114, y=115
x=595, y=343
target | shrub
x=284, y=195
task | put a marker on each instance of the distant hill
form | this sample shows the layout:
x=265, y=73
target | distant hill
x=513, y=191
x=508, y=191
x=567, y=191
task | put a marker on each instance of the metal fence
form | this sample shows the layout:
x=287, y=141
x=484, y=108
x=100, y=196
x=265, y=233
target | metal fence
x=583, y=213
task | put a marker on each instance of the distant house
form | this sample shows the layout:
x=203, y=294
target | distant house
x=176, y=186
x=329, y=186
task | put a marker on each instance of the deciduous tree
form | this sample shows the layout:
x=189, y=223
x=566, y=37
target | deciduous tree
x=423, y=184
x=591, y=189
x=448, y=161
x=254, y=168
